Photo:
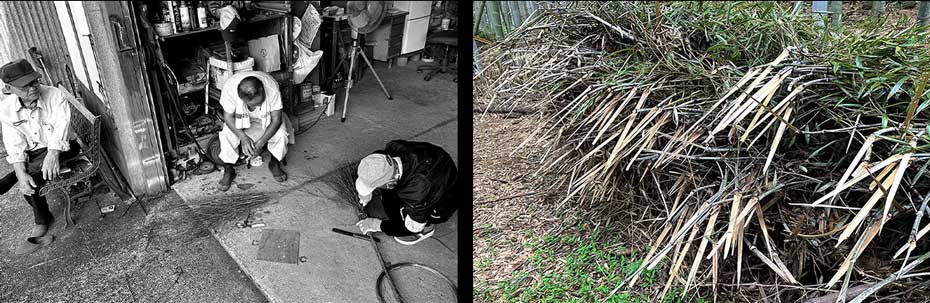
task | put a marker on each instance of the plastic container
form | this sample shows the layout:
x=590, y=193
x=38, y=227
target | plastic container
x=306, y=93
x=164, y=29
x=219, y=70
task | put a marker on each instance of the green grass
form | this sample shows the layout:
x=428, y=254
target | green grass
x=572, y=269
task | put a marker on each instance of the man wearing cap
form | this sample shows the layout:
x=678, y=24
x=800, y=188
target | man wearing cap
x=253, y=122
x=416, y=187
x=35, y=121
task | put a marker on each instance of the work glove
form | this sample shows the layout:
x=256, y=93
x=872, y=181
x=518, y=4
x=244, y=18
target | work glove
x=369, y=225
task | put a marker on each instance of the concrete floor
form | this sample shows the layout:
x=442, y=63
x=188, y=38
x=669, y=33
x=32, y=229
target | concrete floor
x=340, y=268
x=165, y=256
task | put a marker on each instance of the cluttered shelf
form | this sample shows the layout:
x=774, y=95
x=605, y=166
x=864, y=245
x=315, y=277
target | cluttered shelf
x=254, y=19
x=190, y=88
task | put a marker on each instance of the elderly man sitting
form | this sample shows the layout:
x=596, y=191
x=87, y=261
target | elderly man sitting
x=252, y=106
x=37, y=135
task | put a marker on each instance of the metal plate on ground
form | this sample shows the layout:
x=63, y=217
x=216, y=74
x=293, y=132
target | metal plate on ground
x=279, y=245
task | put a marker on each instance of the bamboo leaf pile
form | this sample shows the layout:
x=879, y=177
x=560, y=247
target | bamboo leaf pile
x=772, y=151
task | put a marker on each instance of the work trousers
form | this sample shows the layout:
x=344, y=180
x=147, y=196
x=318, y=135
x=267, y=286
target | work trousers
x=387, y=206
x=39, y=204
x=229, y=142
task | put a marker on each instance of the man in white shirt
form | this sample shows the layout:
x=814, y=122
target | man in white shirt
x=253, y=120
x=36, y=128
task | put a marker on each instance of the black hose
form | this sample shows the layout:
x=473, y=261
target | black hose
x=427, y=268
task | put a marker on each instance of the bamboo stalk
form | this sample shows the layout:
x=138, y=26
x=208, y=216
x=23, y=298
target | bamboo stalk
x=878, y=10
x=494, y=11
x=477, y=25
x=923, y=13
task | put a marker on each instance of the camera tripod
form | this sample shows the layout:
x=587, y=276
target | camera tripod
x=354, y=51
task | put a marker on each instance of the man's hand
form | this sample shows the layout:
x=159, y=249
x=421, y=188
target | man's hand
x=50, y=167
x=369, y=225
x=363, y=200
x=248, y=147
x=259, y=145
x=26, y=184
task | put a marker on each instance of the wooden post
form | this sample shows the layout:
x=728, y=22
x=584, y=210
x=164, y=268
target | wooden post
x=923, y=13
x=477, y=25
x=291, y=101
x=494, y=12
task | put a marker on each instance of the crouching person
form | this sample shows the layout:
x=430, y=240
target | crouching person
x=37, y=135
x=253, y=124
x=411, y=186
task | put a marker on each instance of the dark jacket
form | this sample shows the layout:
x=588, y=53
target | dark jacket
x=426, y=186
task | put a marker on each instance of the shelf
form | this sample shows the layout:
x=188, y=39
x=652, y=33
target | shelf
x=280, y=76
x=184, y=90
x=258, y=18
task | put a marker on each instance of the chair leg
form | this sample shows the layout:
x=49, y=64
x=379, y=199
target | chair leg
x=67, y=206
x=442, y=68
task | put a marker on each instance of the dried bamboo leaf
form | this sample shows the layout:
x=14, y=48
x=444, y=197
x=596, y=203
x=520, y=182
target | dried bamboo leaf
x=679, y=259
x=778, y=135
x=855, y=252
x=860, y=216
x=708, y=230
x=898, y=176
x=734, y=213
x=875, y=168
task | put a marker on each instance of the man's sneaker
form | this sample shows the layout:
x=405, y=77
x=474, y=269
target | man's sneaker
x=39, y=230
x=416, y=238
x=229, y=173
x=33, y=244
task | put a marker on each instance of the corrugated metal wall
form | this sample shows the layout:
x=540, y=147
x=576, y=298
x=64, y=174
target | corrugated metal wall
x=24, y=24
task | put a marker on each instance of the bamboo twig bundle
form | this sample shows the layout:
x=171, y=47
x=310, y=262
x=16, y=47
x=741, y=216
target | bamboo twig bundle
x=735, y=120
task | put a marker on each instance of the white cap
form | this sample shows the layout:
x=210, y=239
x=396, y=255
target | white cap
x=373, y=171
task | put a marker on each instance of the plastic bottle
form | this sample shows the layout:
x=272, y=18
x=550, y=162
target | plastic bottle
x=169, y=17
x=193, y=13
x=202, y=14
x=177, y=16
x=185, y=16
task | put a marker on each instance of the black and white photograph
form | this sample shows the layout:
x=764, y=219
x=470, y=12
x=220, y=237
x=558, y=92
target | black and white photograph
x=231, y=151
